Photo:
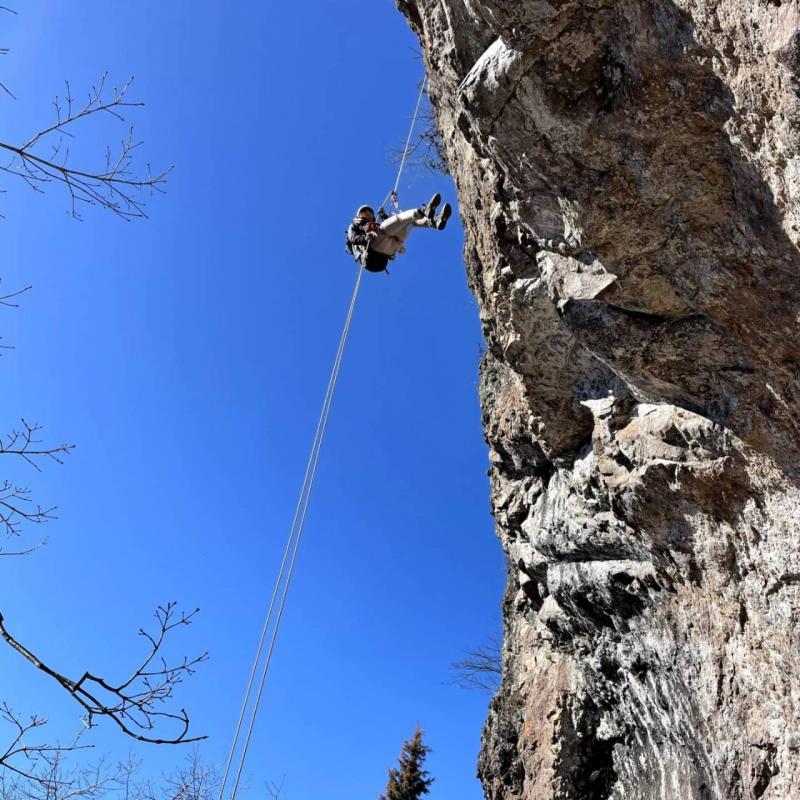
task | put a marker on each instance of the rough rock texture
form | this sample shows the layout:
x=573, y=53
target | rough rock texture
x=629, y=179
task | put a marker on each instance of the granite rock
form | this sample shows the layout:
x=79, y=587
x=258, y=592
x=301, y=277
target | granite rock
x=629, y=181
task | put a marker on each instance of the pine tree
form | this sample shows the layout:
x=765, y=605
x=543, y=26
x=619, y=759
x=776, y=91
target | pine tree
x=409, y=781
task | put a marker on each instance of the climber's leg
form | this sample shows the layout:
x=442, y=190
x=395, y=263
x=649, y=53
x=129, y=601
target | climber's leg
x=394, y=231
x=424, y=217
x=399, y=225
x=388, y=245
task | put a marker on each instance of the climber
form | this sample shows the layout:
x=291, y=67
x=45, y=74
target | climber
x=374, y=244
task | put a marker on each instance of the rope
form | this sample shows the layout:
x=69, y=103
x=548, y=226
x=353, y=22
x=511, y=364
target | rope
x=290, y=552
x=393, y=193
x=285, y=577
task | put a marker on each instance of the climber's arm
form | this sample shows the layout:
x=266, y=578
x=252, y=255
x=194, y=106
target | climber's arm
x=358, y=236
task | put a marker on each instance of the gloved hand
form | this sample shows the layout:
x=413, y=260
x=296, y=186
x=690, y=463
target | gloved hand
x=372, y=234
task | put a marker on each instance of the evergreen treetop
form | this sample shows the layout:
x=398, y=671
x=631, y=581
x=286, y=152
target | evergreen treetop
x=410, y=781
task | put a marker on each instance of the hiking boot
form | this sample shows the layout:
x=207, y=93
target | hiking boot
x=441, y=220
x=430, y=209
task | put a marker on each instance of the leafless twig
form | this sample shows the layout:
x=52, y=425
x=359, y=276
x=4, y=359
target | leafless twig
x=14, y=513
x=22, y=442
x=481, y=668
x=16, y=507
x=4, y=52
x=132, y=704
x=22, y=756
x=195, y=781
x=25, y=552
x=45, y=157
x=274, y=790
x=426, y=150
x=4, y=299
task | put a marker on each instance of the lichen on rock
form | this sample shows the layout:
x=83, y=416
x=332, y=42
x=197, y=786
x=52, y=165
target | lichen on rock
x=630, y=188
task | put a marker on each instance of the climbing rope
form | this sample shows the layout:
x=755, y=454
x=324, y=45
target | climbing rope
x=393, y=193
x=288, y=562
x=285, y=573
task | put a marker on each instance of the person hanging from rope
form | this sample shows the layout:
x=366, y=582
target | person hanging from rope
x=373, y=244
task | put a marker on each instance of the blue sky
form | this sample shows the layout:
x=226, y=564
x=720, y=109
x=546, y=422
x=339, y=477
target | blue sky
x=187, y=356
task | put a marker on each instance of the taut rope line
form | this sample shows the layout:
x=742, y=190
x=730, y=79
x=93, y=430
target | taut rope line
x=393, y=193
x=290, y=552
x=292, y=545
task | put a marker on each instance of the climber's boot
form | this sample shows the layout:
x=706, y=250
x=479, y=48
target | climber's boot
x=429, y=210
x=441, y=220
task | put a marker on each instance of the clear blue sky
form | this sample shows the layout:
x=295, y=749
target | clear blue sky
x=187, y=356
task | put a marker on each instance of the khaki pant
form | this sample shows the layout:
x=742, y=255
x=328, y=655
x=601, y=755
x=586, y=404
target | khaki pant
x=394, y=231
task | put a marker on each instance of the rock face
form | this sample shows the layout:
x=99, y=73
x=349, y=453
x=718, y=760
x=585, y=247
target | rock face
x=629, y=179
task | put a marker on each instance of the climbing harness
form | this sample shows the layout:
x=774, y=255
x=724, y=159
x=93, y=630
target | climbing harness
x=277, y=603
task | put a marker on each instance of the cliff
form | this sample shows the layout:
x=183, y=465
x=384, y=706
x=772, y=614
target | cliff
x=629, y=180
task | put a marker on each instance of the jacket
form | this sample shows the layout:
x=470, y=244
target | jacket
x=357, y=245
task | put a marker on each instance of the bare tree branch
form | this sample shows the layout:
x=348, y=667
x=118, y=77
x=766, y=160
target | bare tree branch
x=139, y=703
x=4, y=299
x=25, y=552
x=23, y=443
x=134, y=703
x=47, y=774
x=16, y=507
x=426, y=150
x=116, y=186
x=57, y=781
x=15, y=502
x=274, y=790
x=4, y=52
x=22, y=757
x=194, y=782
x=481, y=668
x=13, y=513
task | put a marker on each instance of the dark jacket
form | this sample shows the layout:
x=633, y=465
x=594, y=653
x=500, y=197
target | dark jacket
x=358, y=246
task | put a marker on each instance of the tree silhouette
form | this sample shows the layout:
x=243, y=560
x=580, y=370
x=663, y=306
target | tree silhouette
x=138, y=701
x=410, y=781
